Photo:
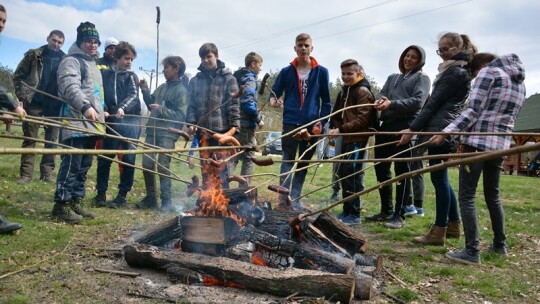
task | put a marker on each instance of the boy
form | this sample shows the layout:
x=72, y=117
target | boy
x=250, y=117
x=356, y=91
x=121, y=97
x=83, y=93
x=213, y=105
x=307, y=98
x=169, y=102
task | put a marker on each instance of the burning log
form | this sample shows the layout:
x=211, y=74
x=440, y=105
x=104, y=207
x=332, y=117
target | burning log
x=364, y=284
x=267, y=240
x=310, y=257
x=335, y=287
x=162, y=233
x=340, y=233
x=182, y=275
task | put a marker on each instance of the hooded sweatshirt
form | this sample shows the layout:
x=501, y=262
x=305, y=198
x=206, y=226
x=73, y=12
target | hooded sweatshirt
x=407, y=92
x=80, y=94
x=496, y=98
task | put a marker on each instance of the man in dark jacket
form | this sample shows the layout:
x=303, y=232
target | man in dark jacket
x=36, y=69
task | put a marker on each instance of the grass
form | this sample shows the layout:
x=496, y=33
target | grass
x=58, y=258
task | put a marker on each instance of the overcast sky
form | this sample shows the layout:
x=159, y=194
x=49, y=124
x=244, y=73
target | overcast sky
x=374, y=32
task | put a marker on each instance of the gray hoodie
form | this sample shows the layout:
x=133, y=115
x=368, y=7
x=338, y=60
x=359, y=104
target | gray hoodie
x=80, y=94
x=407, y=92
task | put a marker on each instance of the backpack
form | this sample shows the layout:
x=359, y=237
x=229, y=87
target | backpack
x=52, y=105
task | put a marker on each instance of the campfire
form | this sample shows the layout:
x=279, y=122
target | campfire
x=232, y=239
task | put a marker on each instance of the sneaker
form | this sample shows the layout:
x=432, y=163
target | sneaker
x=497, y=250
x=77, y=206
x=63, y=212
x=409, y=210
x=396, y=222
x=464, y=257
x=148, y=202
x=341, y=216
x=24, y=180
x=351, y=220
x=419, y=212
x=118, y=202
x=379, y=217
x=335, y=197
x=100, y=200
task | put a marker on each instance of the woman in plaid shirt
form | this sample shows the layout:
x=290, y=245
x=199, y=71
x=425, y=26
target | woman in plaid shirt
x=494, y=103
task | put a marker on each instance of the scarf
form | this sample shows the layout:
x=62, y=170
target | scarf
x=445, y=65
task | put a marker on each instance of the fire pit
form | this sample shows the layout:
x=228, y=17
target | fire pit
x=256, y=248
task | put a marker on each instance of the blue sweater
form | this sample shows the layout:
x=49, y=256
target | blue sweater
x=296, y=109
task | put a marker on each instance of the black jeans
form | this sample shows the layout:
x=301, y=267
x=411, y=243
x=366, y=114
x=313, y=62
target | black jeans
x=469, y=176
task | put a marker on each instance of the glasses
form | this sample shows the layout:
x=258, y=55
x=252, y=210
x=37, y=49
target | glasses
x=444, y=50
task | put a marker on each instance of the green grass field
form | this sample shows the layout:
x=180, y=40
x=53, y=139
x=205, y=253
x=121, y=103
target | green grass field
x=56, y=258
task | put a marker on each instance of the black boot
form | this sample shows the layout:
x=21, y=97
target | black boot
x=148, y=202
x=100, y=200
x=78, y=207
x=118, y=202
x=63, y=212
x=6, y=226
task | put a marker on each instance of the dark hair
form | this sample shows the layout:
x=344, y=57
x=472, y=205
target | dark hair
x=352, y=63
x=58, y=33
x=208, y=48
x=461, y=41
x=176, y=62
x=124, y=48
x=479, y=60
x=252, y=57
x=2, y=8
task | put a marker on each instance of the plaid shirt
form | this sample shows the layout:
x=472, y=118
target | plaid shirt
x=495, y=100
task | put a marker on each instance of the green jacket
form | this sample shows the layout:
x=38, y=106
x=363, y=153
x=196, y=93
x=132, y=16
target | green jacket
x=30, y=71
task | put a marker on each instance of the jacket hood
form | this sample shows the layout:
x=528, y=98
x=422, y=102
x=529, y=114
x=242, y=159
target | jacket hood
x=75, y=50
x=241, y=73
x=220, y=66
x=511, y=65
x=421, y=63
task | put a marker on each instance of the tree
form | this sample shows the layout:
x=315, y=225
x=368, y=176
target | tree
x=6, y=78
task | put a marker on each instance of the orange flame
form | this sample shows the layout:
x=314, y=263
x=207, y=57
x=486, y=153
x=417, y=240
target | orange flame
x=213, y=200
x=257, y=259
x=209, y=281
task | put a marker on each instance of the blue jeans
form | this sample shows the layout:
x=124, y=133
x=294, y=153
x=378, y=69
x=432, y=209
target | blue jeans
x=73, y=170
x=469, y=176
x=446, y=207
x=291, y=148
x=130, y=128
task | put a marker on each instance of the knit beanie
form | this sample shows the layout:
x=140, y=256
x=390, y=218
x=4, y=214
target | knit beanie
x=85, y=31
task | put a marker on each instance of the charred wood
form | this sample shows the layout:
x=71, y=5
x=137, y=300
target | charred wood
x=182, y=275
x=340, y=233
x=162, y=233
x=310, y=257
x=335, y=287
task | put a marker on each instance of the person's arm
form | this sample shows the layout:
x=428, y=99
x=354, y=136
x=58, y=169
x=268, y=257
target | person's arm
x=69, y=87
x=277, y=90
x=445, y=88
x=415, y=101
x=21, y=73
x=147, y=97
x=248, y=100
x=324, y=95
x=131, y=87
x=233, y=105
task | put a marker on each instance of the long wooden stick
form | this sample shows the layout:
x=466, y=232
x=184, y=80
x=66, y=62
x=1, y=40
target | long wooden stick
x=443, y=165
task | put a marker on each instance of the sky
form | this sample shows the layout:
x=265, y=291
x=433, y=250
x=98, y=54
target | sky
x=374, y=32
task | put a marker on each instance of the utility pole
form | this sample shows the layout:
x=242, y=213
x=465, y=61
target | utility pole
x=158, y=19
x=151, y=74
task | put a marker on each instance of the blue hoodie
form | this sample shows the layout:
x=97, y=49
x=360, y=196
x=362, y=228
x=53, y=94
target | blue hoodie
x=298, y=110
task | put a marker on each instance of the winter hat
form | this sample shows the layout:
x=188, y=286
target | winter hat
x=85, y=31
x=110, y=41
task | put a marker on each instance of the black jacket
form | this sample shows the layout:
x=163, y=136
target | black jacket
x=447, y=99
x=121, y=91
